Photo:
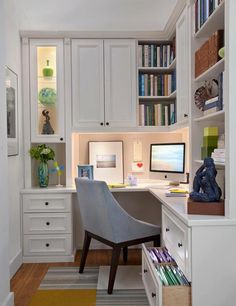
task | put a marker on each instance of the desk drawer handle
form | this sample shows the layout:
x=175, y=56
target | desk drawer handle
x=167, y=229
x=145, y=271
x=180, y=244
x=153, y=294
x=46, y=203
x=47, y=223
x=47, y=245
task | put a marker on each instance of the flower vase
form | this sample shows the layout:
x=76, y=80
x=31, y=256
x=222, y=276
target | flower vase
x=43, y=174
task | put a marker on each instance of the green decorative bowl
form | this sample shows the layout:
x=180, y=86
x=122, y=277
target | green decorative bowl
x=221, y=52
x=47, y=96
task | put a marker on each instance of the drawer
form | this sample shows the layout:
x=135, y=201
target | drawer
x=159, y=294
x=44, y=223
x=47, y=202
x=177, y=238
x=47, y=244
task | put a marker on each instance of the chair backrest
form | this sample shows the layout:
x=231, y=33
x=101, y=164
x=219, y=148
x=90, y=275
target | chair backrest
x=101, y=213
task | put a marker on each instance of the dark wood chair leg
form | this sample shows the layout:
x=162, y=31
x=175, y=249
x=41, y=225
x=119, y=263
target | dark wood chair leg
x=114, y=264
x=157, y=242
x=87, y=240
x=125, y=254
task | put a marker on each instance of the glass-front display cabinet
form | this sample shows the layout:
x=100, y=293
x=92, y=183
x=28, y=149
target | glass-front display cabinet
x=47, y=90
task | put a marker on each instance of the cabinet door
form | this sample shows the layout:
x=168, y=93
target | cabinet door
x=183, y=66
x=47, y=90
x=120, y=83
x=87, y=83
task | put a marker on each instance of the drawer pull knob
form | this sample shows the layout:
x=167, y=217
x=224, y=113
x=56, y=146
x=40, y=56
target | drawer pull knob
x=47, y=223
x=153, y=294
x=180, y=244
x=47, y=245
x=185, y=115
x=101, y=123
x=167, y=229
x=145, y=271
x=107, y=123
x=46, y=203
x=61, y=139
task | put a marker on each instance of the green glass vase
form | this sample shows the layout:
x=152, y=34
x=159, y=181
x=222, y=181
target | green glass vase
x=43, y=174
x=47, y=71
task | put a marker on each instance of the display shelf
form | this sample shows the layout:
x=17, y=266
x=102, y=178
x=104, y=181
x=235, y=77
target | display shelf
x=214, y=22
x=214, y=116
x=170, y=68
x=217, y=164
x=212, y=72
x=170, y=97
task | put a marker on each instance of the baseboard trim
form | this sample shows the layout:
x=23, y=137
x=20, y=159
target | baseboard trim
x=9, y=301
x=15, y=263
x=54, y=258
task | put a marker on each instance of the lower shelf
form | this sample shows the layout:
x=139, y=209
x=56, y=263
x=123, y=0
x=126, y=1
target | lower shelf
x=157, y=293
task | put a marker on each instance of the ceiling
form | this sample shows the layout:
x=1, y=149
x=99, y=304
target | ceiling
x=94, y=15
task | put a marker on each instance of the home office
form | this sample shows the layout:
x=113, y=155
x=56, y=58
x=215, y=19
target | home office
x=143, y=74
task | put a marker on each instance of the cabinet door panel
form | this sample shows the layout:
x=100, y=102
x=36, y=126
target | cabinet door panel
x=87, y=82
x=183, y=64
x=120, y=82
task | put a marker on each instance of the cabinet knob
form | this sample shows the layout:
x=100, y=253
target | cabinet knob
x=107, y=123
x=167, y=229
x=46, y=203
x=101, y=123
x=61, y=139
x=47, y=223
x=185, y=115
x=153, y=294
x=47, y=245
x=180, y=244
x=145, y=271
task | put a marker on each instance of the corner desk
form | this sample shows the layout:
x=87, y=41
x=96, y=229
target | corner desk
x=204, y=247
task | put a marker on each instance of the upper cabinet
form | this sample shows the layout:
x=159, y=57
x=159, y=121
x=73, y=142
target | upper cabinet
x=47, y=90
x=103, y=83
x=183, y=65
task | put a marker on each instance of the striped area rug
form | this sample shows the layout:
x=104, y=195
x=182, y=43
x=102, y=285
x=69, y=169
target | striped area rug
x=58, y=278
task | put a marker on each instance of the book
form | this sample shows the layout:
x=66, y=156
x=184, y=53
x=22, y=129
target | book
x=170, y=194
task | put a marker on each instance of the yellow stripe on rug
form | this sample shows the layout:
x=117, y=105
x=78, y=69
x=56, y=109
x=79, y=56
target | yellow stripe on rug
x=78, y=297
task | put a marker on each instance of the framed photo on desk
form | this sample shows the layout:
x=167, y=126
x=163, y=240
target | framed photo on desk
x=107, y=160
x=85, y=171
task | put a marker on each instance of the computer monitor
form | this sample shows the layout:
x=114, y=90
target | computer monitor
x=167, y=157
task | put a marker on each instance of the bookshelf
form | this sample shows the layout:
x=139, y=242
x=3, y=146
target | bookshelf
x=156, y=83
x=204, y=36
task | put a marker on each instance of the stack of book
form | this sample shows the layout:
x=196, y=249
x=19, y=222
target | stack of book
x=156, y=114
x=153, y=55
x=177, y=192
x=218, y=155
x=203, y=9
x=171, y=275
x=156, y=85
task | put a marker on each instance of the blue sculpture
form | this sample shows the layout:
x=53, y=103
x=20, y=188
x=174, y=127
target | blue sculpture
x=205, y=187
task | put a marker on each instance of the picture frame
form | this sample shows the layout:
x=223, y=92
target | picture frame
x=107, y=160
x=85, y=171
x=12, y=111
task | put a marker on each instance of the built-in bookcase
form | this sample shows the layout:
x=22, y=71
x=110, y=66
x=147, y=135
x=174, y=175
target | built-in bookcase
x=206, y=21
x=156, y=82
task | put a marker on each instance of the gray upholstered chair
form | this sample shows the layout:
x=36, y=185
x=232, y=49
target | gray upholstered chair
x=105, y=220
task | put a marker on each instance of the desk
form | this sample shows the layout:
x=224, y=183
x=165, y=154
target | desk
x=207, y=242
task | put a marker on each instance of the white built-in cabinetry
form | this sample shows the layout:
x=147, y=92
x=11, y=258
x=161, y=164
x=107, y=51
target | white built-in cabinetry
x=103, y=83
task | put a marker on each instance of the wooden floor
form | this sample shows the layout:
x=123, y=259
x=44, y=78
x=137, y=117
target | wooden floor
x=28, y=278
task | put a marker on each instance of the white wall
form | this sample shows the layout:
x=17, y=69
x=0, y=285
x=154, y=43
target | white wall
x=94, y=15
x=15, y=163
x=5, y=296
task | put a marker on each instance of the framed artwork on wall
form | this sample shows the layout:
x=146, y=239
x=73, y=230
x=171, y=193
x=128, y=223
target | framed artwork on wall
x=12, y=110
x=107, y=160
x=85, y=171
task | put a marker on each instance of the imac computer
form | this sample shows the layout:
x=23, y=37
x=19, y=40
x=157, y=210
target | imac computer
x=167, y=157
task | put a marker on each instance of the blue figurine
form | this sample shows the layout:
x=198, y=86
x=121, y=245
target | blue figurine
x=205, y=187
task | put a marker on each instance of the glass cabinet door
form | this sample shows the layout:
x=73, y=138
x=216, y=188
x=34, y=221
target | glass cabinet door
x=47, y=90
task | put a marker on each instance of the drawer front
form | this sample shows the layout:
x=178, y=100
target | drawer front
x=152, y=285
x=43, y=223
x=47, y=203
x=47, y=244
x=177, y=238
